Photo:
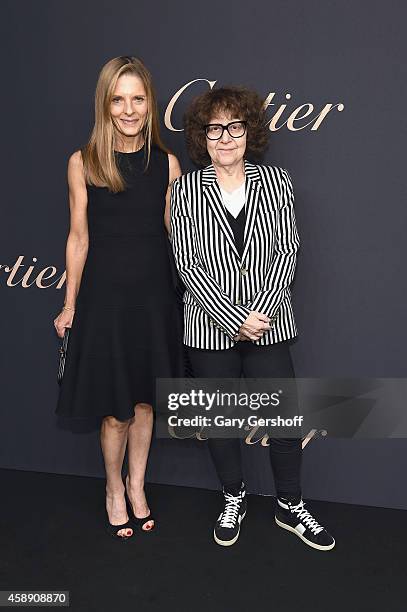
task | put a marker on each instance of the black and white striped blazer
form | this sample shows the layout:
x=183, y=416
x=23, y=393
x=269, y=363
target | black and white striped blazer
x=221, y=287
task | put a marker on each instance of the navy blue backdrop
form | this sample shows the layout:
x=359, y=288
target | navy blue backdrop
x=348, y=170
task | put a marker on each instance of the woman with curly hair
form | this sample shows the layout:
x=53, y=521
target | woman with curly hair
x=235, y=244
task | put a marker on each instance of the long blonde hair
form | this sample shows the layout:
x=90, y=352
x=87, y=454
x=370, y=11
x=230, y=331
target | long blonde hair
x=98, y=157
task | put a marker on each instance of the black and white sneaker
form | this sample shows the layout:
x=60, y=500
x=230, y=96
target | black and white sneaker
x=297, y=519
x=227, y=526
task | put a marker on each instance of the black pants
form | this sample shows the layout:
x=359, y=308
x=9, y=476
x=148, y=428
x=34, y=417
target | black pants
x=252, y=361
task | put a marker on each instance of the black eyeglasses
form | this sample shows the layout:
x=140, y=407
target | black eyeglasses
x=235, y=129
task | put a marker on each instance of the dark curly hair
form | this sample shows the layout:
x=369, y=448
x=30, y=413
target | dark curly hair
x=239, y=102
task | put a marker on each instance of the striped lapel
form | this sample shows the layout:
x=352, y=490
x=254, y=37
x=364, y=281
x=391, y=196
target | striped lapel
x=213, y=197
x=253, y=186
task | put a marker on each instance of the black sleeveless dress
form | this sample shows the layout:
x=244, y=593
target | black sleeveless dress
x=126, y=331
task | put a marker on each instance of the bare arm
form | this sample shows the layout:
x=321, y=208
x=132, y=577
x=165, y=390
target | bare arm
x=174, y=172
x=77, y=242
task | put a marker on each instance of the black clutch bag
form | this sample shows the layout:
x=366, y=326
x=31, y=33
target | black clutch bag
x=62, y=355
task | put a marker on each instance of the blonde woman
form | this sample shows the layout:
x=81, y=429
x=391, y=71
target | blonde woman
x=120, y=301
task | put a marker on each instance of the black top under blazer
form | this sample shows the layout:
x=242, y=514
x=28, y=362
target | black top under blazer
x=222, y=287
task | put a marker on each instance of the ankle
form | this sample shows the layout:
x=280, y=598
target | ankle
x=114, y=490
x=233, y=488
x=134, y=485
x=287, y=498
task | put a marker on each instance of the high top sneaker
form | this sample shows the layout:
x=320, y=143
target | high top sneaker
x=227, y=526
x=297, y=519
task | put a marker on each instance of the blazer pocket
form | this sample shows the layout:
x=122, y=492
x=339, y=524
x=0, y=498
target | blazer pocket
x=267, y=221
x=267, y=213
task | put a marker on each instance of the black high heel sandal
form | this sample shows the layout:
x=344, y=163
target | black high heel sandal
x=114, y=530
x=138, y=522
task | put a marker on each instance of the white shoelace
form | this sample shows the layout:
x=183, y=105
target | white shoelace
x=306, y=517
x=231, y=511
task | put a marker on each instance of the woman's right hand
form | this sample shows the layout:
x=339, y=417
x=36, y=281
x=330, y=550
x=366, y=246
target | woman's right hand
x=255, y=326
x=63, y=320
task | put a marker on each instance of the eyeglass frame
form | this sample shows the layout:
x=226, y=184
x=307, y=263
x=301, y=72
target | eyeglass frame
x=225, y=127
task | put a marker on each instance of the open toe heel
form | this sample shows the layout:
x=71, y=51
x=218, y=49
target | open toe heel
x=139, y=522
x=114, y=530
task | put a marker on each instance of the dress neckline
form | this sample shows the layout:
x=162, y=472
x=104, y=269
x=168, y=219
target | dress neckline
x=130, y=152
